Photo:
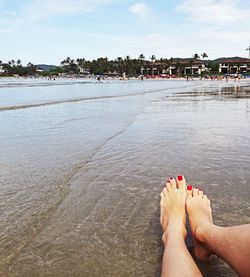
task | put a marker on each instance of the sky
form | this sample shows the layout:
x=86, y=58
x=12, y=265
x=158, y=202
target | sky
x=48, y=31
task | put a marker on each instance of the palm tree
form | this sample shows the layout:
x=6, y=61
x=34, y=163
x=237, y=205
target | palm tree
x=196, y=56
x=171, y=60
x=119, y=59
x=162, y=66
x=11, y=63
x=80, y=62
x=19, y=63
x=204, y=55
x=64, y=62
x=141, y=57
x=31, y=68
x=73, y=66
x=152, y=58
x=119, y=64
x=102, y=64
x=127, y=63
x=69, y=65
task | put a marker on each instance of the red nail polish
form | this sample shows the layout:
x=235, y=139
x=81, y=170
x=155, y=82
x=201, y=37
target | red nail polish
x=171, y=178
x=189, y=187
x=180, y=178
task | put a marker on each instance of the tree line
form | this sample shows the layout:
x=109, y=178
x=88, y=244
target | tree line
x=129, y=66
x=16, y=68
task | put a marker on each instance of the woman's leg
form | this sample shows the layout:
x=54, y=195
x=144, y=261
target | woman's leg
x=232, y=244
x=176, y=259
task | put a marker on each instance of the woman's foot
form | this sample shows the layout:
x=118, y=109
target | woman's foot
x=173, y=213
x=200, y=218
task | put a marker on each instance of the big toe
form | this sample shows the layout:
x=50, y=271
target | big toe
x=181, y=182
x=190, y=190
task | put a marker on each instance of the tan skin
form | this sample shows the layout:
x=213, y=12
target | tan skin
x=232, y=244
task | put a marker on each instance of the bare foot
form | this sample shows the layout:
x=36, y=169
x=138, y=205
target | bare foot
x=200, y=216
x=173, y=213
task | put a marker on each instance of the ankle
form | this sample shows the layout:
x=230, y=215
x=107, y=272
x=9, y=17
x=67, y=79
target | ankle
x=174, y=232
x=204, y=231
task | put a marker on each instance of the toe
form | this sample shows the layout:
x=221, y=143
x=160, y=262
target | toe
x=181, y=182
x=168, y=186
x=189, y=190
x=206, y=199
x=173, y=183
x=200, y=193
x=195, y=192
x=164, y=191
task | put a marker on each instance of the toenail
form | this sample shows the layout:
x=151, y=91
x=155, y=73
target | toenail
x=180, y=178
x=171, y=178
x=189, y=187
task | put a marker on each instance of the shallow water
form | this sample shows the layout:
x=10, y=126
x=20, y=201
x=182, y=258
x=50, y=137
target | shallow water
x=82, y=165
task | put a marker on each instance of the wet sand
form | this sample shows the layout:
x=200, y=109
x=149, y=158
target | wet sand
x=80, y=180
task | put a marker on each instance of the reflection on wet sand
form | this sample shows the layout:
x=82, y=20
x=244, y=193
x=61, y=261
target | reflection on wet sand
x=236, y=91
x=110, y=157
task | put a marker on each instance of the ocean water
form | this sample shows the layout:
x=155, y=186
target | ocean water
x=82, y=164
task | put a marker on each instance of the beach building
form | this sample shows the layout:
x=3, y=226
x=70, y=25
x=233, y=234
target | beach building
x=84, y=71
x=191, y=67
x=111, y=74
x=39, y=70
x=176, y=67
x=156, y=69
x=234, y=66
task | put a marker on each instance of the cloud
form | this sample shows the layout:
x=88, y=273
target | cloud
x=39, y=9
x=33, y=11
x=141, y=10
x=199, y=29
x=224, y=36
x=213, y=11
x=217, y=23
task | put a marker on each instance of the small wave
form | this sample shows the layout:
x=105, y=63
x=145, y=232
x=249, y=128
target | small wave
x=43, y=84
x=26, y=106
x=56, y=102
